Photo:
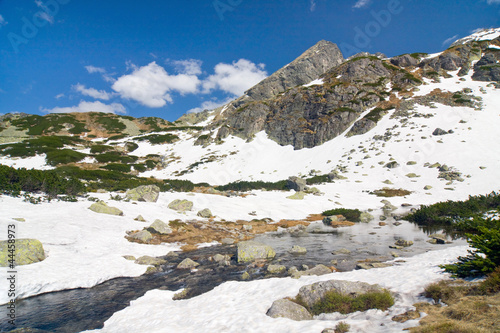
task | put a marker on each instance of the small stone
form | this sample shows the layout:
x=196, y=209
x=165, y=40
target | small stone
x=296, y=249
x=205, y=213
x=143, y=236
x=285, y=308
x=187, y=264
x=245, y=276
x=140, y=218
x=181, y=205
x=397, y=224
x=227, y=241
x=403, y=243
x=341, y=251
x=276, y=269
x=129, y=257
x=19, y=219
x=382, y=224
x=427, y=187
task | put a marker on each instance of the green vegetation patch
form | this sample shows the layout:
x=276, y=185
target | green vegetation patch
x=115, y=157
x=111, y=123
x=99, y=149
x=118, y=167
x=353, y=215
x=257, y=185
x=337, y=302
x=39, y=125
x=63, y=156
x=159, y=138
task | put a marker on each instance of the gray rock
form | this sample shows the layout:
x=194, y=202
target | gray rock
x=392, y=165
x=227, y=241
x=341, y=251
x=297, y=196
x=160, y=227
x=316, y=270
x=284, y=308
x=143, y=236
x=296, y=249
x=313, y=293
x=370, y=265
x=405, y=60
x=439, y=131
x=276, y=269
x=147, y=193
x=403, y=243
x=140, y=218
x=205, y=213
x=187, y=264
x=366, y=217
x=102, y=208
x=148, y=260
x=181, y=205
x=132, y=258
x=27, y=251
x=222, y=259
x=251, y=250
x=297, y=184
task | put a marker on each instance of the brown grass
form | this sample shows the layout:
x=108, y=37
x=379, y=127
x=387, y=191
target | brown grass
x=391, y=192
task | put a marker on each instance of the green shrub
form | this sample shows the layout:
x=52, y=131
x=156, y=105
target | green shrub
x=131, y=146
x=99, y=149
x=318, y=180
x=39, y=125
x=337, y=302
x=64, y=156
x=257, y=185
x=158, y=138
x=352, y=215
x=342, y=327
x=111, y=123
x=140, y=167
x=114, y=156
x=492, y=283
x=484, y=258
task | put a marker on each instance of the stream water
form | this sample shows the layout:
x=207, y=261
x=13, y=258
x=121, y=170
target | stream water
x=82, y=309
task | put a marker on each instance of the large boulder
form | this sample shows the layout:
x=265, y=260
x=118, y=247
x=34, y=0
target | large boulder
x=316, y=270
x=297, y=184
x=205, y=213
x=143, y=236
x=148, y=193
x=27, y=251
x=284, y=308
x=160, y=227
x=313, y=293
x=181, y=205
x=102, y=208
x=251, y=250
x=187, y=264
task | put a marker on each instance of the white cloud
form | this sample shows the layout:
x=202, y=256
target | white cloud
x=235, y=78
x=44, y=14
x=188, y=66
x=2, y=21
x=97, y=94
x=361, y=3
x=493, y=2
x=151, y=85
x=59, y=96
x=450, y=40
x=92, y=69
x=88, y=107
x=210, y=105
x=312, y=8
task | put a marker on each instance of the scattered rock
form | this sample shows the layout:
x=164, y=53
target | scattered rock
x=365, y=217
x=19, y=219
x=187, y=264
x=285, y=308
x=439, y=131
x=316, y=270
x=341, y=251
x=427, y=187
x=412, y=175
x=181, y=205
x=143, y=236
x=147, y=193
x=251, y=250
x=276, y=269
x=296, y=249
x=28, y=251
x=392, y=165
x=148, y=260
x=227, y=241
x=222, y=259
x=102, y=208
x=245, y=276
x=160, y=227
x=403, y=243
x=297, y=184
x=382, y=224
x=140, y=218
x=129, y=257
x=205, y=213
x=370, y=265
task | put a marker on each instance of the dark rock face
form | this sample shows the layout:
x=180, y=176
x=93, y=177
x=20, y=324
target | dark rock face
x=309, y=66
x=439, y=131
x=404, y=60
x=488, y=68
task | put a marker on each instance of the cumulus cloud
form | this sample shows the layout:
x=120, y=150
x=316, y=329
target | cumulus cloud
x=361, y=3
x=2, y=21
x=92, y=69
x=92, y=92
x=188, y=66
x=152, y=86
x=88, y=107
x=210, y=105
x=450, y=40
x=235, y=78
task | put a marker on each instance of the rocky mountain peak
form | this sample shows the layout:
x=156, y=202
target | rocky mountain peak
x=307, y=67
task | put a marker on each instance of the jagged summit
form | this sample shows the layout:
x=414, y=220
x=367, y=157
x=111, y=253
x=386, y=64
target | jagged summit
x=481, y=35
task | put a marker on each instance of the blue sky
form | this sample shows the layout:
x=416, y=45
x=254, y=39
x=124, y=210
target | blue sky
x=165, y=58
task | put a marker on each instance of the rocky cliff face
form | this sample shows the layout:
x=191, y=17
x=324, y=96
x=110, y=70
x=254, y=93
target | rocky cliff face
x=294, y=113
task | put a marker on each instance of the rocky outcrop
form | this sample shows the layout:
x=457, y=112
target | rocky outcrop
x=312, y=294
x=148, y=260
x=285, y=308
x=102, y=208
x=488, y=67
x=296, y=183
x=309, y=66
x=187, y=264
x=27, y=251
x=143, y=236
x=147, y=193
x=251, y=250
x=181, y=205
x=405, y=60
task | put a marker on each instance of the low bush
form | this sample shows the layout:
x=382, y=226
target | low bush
x=257, y=185
x=353, y=215
x=63, y=156
x=158, y=138
x=99, y=149
x=117, y=167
